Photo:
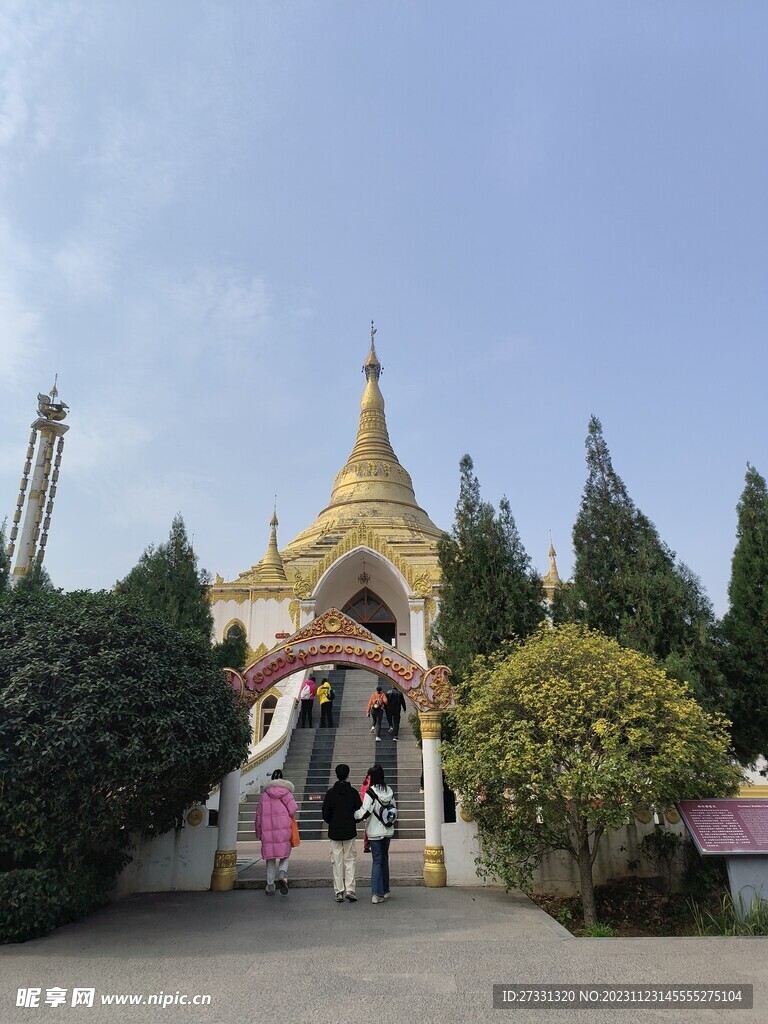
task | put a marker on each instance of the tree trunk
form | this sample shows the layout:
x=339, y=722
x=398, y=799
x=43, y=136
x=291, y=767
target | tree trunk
x=585, y=877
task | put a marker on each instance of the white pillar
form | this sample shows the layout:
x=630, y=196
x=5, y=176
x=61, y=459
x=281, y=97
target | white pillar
x=307, y=613
x=418, y=649
x=434, y=855
x=47, y=433
x=225, y=861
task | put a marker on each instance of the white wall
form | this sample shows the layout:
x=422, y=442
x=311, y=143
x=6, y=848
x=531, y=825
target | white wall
x=558, y=873
x=179, y=860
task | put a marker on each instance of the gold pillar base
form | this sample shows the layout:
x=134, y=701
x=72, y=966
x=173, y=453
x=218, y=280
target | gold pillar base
x=224, y=871
x=434, y=867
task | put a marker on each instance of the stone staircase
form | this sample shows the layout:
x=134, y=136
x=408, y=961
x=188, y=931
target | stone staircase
x=313, y=754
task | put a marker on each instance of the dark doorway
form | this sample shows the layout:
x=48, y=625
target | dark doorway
x=370, y=611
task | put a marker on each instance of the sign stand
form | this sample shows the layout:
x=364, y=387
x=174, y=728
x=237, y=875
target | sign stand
x=738, y=831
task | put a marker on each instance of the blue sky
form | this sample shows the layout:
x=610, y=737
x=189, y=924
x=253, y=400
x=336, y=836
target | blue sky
x=551, y=209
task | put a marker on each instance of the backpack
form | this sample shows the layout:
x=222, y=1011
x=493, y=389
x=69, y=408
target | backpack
x=306, y=692
x=388, y=815
x=331, y=694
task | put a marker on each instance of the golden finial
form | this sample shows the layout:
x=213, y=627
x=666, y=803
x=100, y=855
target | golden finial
x=372, y=367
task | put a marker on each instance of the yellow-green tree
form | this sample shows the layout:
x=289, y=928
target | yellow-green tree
x=560, y=739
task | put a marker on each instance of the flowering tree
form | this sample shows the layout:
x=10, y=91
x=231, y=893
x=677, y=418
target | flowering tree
x=563, y=736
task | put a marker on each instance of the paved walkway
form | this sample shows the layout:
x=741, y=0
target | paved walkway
x=425, y=956
x=310, y=864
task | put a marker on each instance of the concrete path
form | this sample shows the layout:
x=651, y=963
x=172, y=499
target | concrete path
x=426, y=955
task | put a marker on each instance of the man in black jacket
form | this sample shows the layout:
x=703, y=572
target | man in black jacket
x=395, y=704
x=339, y=806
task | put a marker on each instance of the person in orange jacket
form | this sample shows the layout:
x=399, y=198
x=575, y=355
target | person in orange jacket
x=376, y=705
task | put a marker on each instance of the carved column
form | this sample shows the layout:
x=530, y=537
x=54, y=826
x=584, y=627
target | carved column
x=225, y=861
x=434, y=855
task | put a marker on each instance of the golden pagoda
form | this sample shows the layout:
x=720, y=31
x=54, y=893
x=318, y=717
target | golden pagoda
x=372, y=538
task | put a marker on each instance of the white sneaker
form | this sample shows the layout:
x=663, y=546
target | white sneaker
x=377, y=899
x=270, y=889
x=373, y=728
x=378, y=739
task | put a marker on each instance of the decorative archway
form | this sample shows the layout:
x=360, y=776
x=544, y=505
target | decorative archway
x=334, y=637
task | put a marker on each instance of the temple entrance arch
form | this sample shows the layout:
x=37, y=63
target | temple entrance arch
x=335, y=638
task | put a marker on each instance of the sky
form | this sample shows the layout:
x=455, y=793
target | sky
x=550, y=209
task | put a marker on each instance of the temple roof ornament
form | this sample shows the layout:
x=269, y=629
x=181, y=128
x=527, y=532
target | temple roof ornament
x=271, y=569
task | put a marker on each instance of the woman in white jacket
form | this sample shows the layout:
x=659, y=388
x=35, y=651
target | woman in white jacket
x=378, y=798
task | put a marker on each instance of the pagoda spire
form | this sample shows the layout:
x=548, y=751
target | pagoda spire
x=372, y=440
x=551, y=580
x=271, y=569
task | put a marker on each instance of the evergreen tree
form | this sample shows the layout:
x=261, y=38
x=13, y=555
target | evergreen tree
x=233, y=649
x=489, y=591
x=168, y=582
x=627, y=583
x=745, y=624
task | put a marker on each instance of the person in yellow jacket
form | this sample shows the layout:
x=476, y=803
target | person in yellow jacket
x=325, y=693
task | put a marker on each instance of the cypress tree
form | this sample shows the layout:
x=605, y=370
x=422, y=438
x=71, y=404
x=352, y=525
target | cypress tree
x=745, y=624
x=628, y=584
x=167, y=581
x=489, y=591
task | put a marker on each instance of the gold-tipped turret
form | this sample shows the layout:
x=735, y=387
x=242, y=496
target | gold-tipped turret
x=551, y=580
x=271, y=568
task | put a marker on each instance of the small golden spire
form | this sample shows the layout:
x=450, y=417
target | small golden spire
x=551, y=580
x=271, y=569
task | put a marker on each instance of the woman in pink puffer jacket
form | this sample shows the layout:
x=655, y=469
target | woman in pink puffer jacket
x=274, y=812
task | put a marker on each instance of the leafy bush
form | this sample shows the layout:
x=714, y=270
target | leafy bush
x=33, y=901
x=111, y=721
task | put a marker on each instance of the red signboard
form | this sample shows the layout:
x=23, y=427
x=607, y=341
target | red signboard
x=727, y=826
x=282, y=636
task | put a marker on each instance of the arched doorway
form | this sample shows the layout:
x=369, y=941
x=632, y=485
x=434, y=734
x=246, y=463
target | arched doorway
x=370, y=611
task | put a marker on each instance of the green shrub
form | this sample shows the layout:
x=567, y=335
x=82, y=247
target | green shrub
x=111, y=722
x=33, y=901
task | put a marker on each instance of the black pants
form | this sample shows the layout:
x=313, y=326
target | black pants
x=326, y=718
x=306, y=714
x=394, y=722
x=377, y=716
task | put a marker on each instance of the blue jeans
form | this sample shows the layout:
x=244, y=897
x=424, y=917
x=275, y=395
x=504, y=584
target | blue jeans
x=380, y=866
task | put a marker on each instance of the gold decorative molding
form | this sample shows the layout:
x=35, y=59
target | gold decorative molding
x=335, y=623
x=672, y=815
x=430, y=723
x=434, y=867
x=302, y=588
x=465, y=814
x=294, y=610
x=422, y=585
x=360, y=536
x=195, y=817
